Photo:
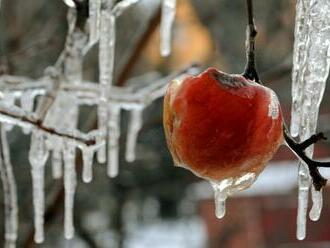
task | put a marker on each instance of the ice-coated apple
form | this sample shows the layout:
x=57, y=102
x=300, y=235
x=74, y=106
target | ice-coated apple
x=220, y=125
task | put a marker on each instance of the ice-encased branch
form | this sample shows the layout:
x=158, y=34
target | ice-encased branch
x=18, y=85
x=16, y=116
x=128, y=97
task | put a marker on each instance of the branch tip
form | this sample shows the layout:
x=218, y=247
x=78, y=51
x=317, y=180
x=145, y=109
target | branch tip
x=299, y=150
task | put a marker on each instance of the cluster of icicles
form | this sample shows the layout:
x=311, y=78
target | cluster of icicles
x=49, y=109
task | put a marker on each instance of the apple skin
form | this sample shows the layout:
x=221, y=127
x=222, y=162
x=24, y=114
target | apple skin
x=219, y=125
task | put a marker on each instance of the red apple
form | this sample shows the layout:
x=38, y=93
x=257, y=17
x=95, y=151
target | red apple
x=219, y=125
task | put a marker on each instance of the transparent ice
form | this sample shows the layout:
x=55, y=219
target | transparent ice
x=226, y=187
x=134, y=126
x=310, y=72
x=38, y=156
x=9, y=192
x=168, y=16
x=70, y=182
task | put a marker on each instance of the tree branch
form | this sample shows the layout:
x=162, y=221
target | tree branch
x=24, y=119
x=250, y=71
x=298, y=149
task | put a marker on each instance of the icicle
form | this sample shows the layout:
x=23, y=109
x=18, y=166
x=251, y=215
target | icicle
x=102, y=113
x=310, y=70
x=220, y=196
x=94, y=21
x=135, y=124
x=227, y=187
x=106, y=62
x=303, y=188
x=299, y=57
x=87, y=175
x=107, y=49
x=70, y=182
x=38, y=156
x=27, y=100
x=55, y=144
x=317, y=199
x=9, y=193
x=57, y=164
x=114, y=134
x=168, y=16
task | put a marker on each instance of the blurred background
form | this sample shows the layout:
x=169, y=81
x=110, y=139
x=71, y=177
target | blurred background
x=151, y=203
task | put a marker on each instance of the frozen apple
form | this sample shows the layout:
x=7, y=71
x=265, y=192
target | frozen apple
x=221, y=126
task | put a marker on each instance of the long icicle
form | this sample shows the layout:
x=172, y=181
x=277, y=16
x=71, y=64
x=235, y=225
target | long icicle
x=168, y=16
x=38, y=156
x=106, y=64
x=114, y=134
x=94, y=21
x=310, y=71
x=87, y=174
x=9, y=192
x=70, y=183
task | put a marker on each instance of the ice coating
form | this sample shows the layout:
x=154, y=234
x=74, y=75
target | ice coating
x=213, y=149
x=317, y=199
x=62, y=90
x=9, y=193
x=27, y=101
x=114, y=134
x=168, y=16
x=102, y=114
x=106, y=62
x=70, y=182
x=38, y=156
x=310, y=71
x=88, y=165
x=273, y=108
x=94, y=20
x=135, y=124
x=227, y=187
x=57, y=164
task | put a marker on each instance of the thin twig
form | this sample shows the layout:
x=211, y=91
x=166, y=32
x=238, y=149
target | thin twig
x=250, y=71
x=297, y=148
x=38, y=124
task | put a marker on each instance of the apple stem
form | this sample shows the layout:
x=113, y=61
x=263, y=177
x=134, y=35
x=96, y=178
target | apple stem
x=250, y=71
x=299, y=149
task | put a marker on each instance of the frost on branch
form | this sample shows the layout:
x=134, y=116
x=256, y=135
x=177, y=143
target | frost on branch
x=310, y=71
